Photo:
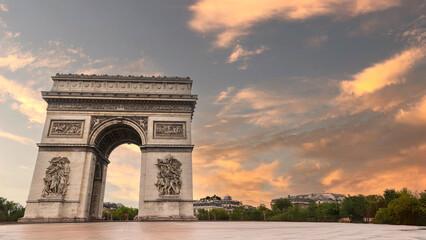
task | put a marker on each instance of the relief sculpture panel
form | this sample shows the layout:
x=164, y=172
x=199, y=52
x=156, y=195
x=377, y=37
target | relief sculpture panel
x=168, y=177
x=169, y=129
x=66, y=128
x=56, y=179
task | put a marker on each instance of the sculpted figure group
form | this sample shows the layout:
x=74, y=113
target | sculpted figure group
x=168, y=177
x=57, y=174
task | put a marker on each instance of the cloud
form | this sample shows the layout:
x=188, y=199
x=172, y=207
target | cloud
x=262, y=107
x=124, y=174
x=126, y=179
x=16, y=61
x=415, y=114
x=3, y=7
x=333, y=176
x=27, y=100
x=140, y=66
x=224, y=95
x=240, y=53
x=16, y=138
x=224, y=167
x=380, y=75
x=364, y=144
x=229, y=20
x=317, y=41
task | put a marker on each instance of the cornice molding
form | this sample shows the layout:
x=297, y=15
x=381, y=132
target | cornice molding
x=71, y=76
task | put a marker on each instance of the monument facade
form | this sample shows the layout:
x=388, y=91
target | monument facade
x=88, y=116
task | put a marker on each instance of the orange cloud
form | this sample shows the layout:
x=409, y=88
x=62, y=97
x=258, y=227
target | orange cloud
x=124, y=173
x=380, y=75
x=3, y=7
x=413, y=177
x=16, y=61
x=229, y=176
x=230, y=19
x=240, y=53
x=29, y=101
x=260, y=107
x=16, y=138
x=334, y=175
x=126, y=178
x=415, y=114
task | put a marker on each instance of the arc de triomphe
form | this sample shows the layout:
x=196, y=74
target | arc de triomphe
x=90, y=115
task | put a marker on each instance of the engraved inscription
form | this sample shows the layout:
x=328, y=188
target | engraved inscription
x=169, y=129
x=66, y=128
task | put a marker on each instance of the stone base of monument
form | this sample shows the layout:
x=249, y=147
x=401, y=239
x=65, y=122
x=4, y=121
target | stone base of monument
x=52, y=220
x=170, y=218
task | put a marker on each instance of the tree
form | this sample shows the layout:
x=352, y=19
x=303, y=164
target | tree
x=375, y=202
x=10, y=211
x=296, y=214
x=328, y=212
x=406, y=209
x=203, y=214
x=120, y=213
x=389, y=195
x=312, y=211
x=219, y=214
x=355, y=207
x=237, y=214
x=281, y=204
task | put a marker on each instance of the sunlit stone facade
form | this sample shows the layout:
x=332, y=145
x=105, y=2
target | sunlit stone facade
x=88, y=116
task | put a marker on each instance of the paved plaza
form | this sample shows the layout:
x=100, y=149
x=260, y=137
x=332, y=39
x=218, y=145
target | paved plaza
x=209, y=230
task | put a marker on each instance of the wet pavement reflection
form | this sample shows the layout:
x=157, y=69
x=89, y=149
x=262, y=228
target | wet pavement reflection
x=209, y=230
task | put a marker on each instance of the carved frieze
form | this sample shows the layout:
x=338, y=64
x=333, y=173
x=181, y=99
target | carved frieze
x=118, y=106
x=66, y=128
x=169, y=180
x=170, y=130
x=97, y=120
x=56, y=179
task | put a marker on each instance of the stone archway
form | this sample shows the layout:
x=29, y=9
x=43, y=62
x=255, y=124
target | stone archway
x=106, y=136
x=88, y=116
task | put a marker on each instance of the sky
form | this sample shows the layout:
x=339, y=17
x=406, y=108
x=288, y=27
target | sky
x=294, y=97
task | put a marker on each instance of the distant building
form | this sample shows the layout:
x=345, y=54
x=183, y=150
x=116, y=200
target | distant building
x=112, y=206
x=304, y=199
x=209, y=203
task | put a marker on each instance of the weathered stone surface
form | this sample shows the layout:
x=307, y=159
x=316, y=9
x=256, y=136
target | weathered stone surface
x=87, y=117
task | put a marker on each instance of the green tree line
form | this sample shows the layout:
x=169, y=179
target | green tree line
x=393, y=207
x=119, y=214
x=10, y=211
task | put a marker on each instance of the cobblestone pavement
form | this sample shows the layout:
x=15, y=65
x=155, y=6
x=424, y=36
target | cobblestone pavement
x=209, y=230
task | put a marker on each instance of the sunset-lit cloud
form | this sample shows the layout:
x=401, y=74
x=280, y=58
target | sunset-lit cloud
x=16, y=138
x=332, y=96
x=241, y=54
x=3, y=7
x=415, y=114
x=391, y=71
x=335, y=175
x=126, y=179
x=26, y=100
x=232, y=19
x=226, y=170
x=123, y=174
x=16, y=61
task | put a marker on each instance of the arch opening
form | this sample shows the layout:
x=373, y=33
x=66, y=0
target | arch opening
x=123, y=178
x=115, y=135
x=106, y=139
